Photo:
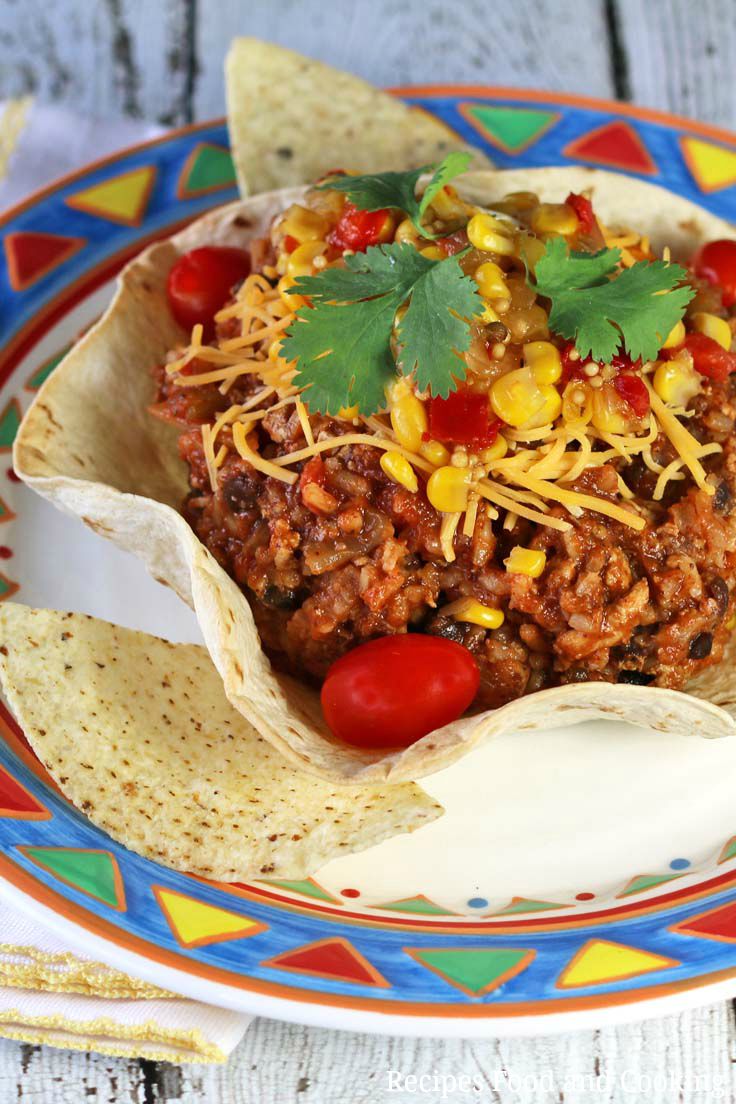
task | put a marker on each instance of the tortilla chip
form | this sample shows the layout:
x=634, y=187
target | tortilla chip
x=292, y=119
x=88, y=445
x=139, y=736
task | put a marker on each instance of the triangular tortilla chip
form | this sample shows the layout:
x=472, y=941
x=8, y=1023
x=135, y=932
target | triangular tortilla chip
x=292, y=119
x=139, y=735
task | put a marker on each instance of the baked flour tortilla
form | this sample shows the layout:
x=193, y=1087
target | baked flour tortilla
x=138, y=734
x=292, y=119
x=89, y=446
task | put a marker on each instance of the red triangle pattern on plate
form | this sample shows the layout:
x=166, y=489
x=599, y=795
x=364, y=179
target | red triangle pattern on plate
x=31, y=254
x=330, y=958
x=615, y=145
x=18, y=803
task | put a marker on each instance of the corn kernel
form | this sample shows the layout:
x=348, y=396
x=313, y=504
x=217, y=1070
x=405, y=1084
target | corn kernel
x=300, y=261
x=432, y=253
x=474, y=612
x=520, y=401
x=292, y=301
x=406, y=231
x=731, y=623
x=544, y=360
x=554, y=218
x=525, y=561
x=491, y=281
x=496, y=451
x=489, y=315
x=448, y=488
x=303, y=224
x=611, y=413
x=531, y=250
x=408, y=416
x=447, y=204
x=713, y=326
x=490, y=235
x=577, y=403
x=435, y=452
x=675, y=337
x=676, y=381
x=398, y=468
x=347, y=413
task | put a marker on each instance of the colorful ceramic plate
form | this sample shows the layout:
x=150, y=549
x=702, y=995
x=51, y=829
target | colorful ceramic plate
x=580, y=877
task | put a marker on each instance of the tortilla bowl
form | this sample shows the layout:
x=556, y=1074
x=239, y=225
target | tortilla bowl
x=89, y=446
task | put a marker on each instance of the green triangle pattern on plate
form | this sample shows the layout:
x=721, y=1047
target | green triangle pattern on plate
x=212, y=168
x=307, y=888
x=476, y=971
x=646, y=881
x=9, y=422
x=419, y=904
x=44, y=371
x=729, y=850
x=525, y=904
x=94, y=872
x=510, y=128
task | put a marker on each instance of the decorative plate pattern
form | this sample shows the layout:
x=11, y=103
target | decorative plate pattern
x=329, y=949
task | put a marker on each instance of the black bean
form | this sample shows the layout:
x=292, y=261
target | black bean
x=718, y=589
x=700, y=646
x=447, y=627
x=635, y=678
x=280, y=598
x=497, y=332
x=240, y=492
x=722, y=498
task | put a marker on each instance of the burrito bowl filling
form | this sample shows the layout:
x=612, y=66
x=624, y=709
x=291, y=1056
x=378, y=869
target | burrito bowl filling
x=509, y=429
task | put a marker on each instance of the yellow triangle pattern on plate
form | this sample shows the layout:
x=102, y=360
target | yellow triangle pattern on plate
x=713, y=167
x=123, y=199
x=195, y=923
x=599, y=961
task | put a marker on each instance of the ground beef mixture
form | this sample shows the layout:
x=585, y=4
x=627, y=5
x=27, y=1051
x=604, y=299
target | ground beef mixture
x=346, y=554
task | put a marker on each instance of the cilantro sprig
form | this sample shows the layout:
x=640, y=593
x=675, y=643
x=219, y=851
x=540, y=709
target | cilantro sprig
x=600, y=308
x=342, y=343
x=374, y=191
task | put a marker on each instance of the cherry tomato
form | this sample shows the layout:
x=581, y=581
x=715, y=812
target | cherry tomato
x=633, y=390
x=395, y=689
x=583, y=209
x=201, y=281
x=463, y=418
x=358, y=229
x=709, y=358
x=716, y=262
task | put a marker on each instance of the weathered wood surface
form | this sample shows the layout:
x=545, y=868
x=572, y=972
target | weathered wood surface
x=688, y=1059
x=162, y=60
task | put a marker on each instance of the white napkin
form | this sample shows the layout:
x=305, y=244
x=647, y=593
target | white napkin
x=47, y=993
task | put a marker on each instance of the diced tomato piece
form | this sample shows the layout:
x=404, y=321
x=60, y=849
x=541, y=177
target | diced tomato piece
x=709, y=358
x=201, y=281
x=583, y=209
x=633, y=390
x=290, y=243
x=572, y=367
x=358, y=229
x=313, y=472
x=463, y=418
x=716, y=262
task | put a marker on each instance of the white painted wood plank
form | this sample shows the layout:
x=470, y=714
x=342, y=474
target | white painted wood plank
x=44, y=1075
x=681, y=56
x=105, y=58
x=684, y=1058
x=528, y=43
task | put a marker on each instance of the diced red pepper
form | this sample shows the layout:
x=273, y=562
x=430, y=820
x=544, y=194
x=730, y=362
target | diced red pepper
x=583, y=209
x=358, y=229
x=290, y=243
x=463, y=418
x=633, y=390
x=709, y=358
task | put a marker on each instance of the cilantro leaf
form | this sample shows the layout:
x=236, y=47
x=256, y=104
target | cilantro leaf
x=342, y=343
x=375, y=191
x=602, y=309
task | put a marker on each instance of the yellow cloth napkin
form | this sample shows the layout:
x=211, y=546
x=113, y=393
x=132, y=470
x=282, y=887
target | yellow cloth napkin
x=50, y=995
